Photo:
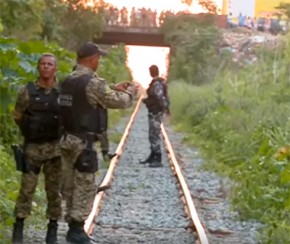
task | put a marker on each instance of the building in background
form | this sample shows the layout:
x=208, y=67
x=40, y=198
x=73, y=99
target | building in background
x=266, y=8
x=251, y=8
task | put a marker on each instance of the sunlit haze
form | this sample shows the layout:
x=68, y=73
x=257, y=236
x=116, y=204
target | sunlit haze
x=139, y=57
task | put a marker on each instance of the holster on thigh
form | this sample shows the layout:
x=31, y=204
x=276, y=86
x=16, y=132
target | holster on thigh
x=30, y=167
x=87, y=160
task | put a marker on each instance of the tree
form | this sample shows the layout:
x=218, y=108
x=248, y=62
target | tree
x=81, y=22
x=52, y=27
x=73, y=21
x=21, y=18
x=67, y=22
x=284, y=9
x=209, y=5
x=193, y=46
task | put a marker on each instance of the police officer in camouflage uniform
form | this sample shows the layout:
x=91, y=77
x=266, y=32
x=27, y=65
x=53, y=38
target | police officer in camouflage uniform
x=81, y=93
x=103, y=127
x=37, y=115
x=157, y=103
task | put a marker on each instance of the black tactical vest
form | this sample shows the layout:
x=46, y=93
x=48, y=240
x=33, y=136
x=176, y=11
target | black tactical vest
x=152, y=103
x=41, y=118
x=103, y=118
x=78, y=116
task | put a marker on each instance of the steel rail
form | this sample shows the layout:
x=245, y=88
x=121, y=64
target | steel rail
x=188, y=199
x=90, y=223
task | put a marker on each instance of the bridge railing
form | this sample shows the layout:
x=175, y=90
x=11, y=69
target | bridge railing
x=147, y=18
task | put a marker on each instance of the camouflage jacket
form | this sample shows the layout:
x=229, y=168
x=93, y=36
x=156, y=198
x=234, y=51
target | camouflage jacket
x=157, y=98
x=98, y=93
x=39, y=151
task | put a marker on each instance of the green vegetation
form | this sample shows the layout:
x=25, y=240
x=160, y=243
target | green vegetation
x=284, y=9
x=68, y=23
x=18, y=66
x=198, y=44
x=239, y=117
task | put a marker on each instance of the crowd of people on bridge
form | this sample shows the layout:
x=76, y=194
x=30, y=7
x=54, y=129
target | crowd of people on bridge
x=147, y=17
x=140, y=17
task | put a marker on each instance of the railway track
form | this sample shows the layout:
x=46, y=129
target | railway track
x=144, y=205
x=154, y=205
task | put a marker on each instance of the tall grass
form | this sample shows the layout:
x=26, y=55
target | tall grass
x=241, y=123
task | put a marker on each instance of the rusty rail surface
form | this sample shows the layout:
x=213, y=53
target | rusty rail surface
x=191, y=210
x=188, y=199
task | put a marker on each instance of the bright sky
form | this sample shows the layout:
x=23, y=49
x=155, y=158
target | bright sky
x=159, y=5
x=140, y=58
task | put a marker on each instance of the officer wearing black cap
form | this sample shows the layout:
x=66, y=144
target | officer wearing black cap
x=81, y=93
x=89, y=49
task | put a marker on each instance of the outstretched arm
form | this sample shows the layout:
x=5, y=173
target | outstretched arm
x=99, y=92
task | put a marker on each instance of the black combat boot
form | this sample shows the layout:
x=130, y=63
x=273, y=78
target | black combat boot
x=148, y=160
x=107, y=156
x=51, y=234
x=156, y=163
x=76, y=234
x=17, y=236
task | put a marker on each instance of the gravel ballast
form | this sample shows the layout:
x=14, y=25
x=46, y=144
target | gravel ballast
x=144, y=204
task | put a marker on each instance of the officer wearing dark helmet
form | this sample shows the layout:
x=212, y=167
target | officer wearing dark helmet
x=157, y=103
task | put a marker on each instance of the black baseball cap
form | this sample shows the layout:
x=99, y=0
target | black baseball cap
x=89, y=49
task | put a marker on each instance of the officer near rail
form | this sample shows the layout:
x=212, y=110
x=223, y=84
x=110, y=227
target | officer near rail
x=157, y=103
x=81, y=93
x=103, y=134
x=37, y=115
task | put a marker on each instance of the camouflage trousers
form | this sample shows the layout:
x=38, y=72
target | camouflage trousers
x=51, y=169
x=79, y=188
x=155, y=121
x=104, y=142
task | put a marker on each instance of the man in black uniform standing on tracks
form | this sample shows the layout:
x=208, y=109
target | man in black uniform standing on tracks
x=157, y=103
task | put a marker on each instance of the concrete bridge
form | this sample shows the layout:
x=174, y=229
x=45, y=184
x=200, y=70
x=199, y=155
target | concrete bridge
x=142, y=36
x=149, y=36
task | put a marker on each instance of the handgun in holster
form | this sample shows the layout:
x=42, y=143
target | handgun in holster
x=19, y=158
x=88, y=160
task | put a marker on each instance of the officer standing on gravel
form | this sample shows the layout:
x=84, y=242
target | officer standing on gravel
x=157, y=103
x=37, y=115
x=81, y=92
